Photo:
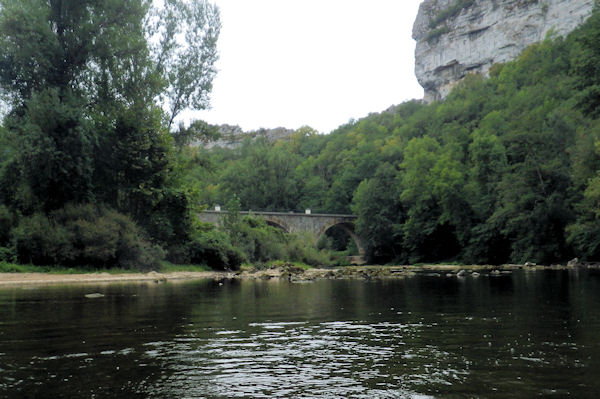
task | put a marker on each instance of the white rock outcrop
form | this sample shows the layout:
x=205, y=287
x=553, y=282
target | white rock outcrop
x=457, y=37
x=234, y=136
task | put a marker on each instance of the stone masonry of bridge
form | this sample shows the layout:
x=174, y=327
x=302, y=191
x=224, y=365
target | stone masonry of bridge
x=315, y=224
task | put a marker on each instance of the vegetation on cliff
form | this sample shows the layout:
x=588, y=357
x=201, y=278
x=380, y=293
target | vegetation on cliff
x=449, y=12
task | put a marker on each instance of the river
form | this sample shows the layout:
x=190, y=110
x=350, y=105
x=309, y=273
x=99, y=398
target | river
x=522, y=335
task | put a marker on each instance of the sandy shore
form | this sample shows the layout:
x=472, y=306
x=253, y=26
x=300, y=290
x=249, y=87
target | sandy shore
x=285, y=272
x=8, y=279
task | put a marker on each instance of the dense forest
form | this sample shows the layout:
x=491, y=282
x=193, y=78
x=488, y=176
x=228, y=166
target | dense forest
x=94, y=171
x=506, y=169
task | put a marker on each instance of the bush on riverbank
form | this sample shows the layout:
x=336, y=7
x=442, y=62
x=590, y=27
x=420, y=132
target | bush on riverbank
x=83, y=235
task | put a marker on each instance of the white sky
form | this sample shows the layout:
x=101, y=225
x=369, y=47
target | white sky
x=319, y=63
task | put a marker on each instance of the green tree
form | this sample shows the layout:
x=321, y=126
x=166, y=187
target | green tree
x=586, y=66
x=488, y=163
x=65, y=66
x=432, y=194
x=197, y=131
x=183, y=36
x=380, y=215
x=55, y=144
x=264, y=178
x=584, y=234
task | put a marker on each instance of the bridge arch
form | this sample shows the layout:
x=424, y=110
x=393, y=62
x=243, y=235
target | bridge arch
x=347, y=227
x=277, y=224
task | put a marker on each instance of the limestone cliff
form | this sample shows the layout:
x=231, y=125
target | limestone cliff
x=234, y=136
x=457, y=37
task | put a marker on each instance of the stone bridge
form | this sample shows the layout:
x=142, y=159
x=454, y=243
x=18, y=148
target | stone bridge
x=290, y=222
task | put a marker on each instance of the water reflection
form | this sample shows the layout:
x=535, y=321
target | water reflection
x=523, y=335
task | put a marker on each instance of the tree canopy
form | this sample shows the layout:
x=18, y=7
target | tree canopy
x=85, y=83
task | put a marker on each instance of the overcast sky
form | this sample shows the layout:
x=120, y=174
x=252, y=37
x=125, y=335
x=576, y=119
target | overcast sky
x=319, y=63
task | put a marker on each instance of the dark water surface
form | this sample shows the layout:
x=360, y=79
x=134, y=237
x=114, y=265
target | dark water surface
x=526, y=335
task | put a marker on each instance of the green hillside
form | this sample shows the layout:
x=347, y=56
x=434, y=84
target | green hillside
x=506, y=169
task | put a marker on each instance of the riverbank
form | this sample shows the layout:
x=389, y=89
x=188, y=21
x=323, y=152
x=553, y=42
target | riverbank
x=286, y=272
x=12, y=279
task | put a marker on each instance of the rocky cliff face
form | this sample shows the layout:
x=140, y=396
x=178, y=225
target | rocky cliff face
x=234, y=136
x=457, y=37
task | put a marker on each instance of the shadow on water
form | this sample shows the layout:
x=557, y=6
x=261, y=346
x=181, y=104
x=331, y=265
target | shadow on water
x=526, y=334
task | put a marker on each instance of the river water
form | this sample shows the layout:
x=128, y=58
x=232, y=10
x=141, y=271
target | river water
x=525, y=335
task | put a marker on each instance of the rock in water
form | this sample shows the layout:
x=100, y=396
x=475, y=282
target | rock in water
x=94, y=295
x=458, y=37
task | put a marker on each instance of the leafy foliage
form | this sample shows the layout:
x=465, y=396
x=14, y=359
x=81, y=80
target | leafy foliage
x=82, y=81
x=505, y=169
x=83, y=235
x=450, y=12
x=188, y=69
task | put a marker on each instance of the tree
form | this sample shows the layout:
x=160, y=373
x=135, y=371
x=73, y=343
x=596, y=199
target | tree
x=264, y=178
x=586, y=66
x=487, y=164
x=584, y=235
x=437, y=215
x=64, y=65
x=380, y=215
x=197, y=131
x=183, y=36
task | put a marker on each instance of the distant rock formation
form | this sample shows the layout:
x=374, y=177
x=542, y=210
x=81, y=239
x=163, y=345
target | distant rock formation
x=234, y=136
x=457, y=37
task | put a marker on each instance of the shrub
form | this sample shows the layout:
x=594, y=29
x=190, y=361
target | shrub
x=38, y=241
x=450, y=12
x=432, y=35
x=214, y=249
x=6, y=224
x=585, y=239
x=170, y=221
x=301, y=248
x=260, y=241
x=179, y=254
x=7, y=254
x=84, y=235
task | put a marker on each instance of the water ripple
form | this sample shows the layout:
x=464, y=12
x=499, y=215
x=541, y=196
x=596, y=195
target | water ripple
x=288, y=359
